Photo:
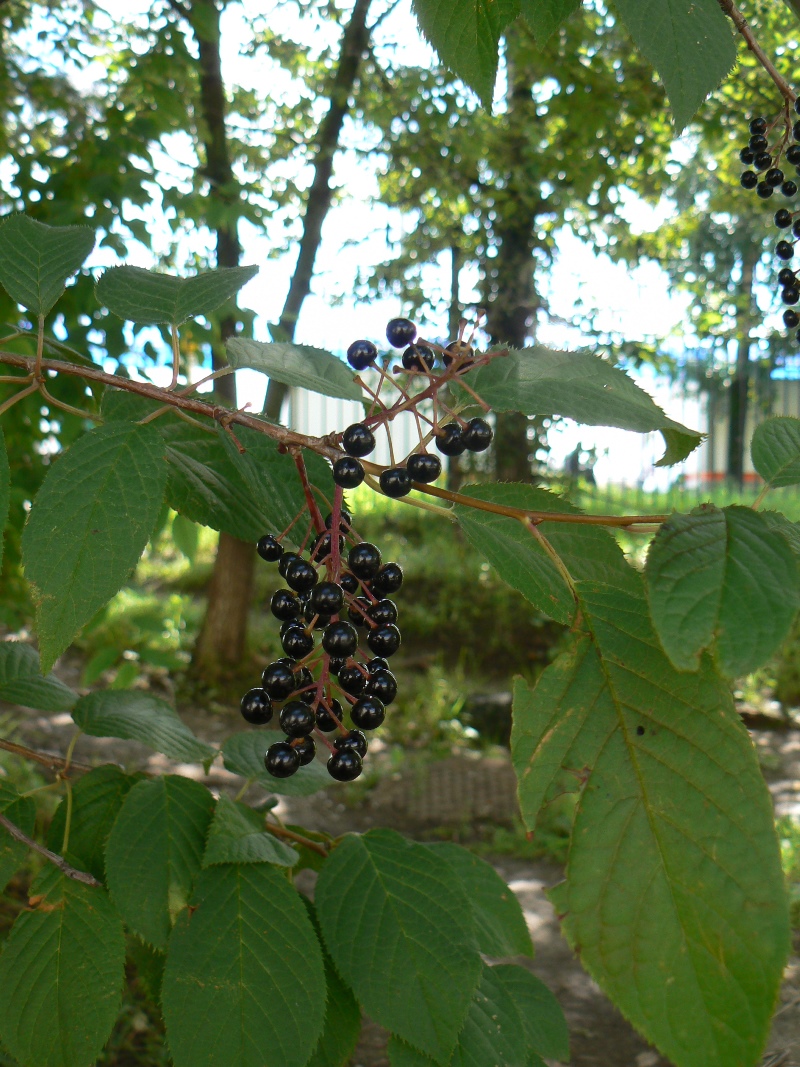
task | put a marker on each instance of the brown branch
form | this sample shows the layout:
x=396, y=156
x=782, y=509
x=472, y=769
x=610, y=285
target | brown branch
x=46, y=759
x=742, y=26
x=52, y=857
x=289, y=835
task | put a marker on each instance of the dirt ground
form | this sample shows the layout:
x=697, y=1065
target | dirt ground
x=457, y=793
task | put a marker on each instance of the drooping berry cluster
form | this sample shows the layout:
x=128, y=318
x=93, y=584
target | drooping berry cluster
x=320, y=687
x=451, y=438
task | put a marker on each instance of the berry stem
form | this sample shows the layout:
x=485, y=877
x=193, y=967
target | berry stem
x=742, y=26
x=336, y=522
x=314, y=511
x=290, y=835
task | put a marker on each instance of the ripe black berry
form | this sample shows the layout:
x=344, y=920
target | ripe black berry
x=758, y=125
x=357, y=612
x=360, y=354
x=774, y=177
x=368, y=713
x=796, y=131
x=749, y=179
x=786, y=276
x=384, y=611
x=297, y=642
x=384, y=640
x=340, y=639
x=325, y=720
x=256, y=707
x=345, y=519
x=378, y=664
x=302, y=677
x=796, y=228
x=791, y=319
x=478, y=435
x=419, y=358
x=352, y=741
x=400, y=332
x=335, y=664
x=793, y=154
x=791, y=294
x=345, y=766
x=789, y=189
x=388, y=579
x=352, y=680
x=784, y=250
x=747, y=156
x=457, y=351
x=348, y=472
x=300, y=575
x=278, y=680
x=395, y=482
x=281, y=760
x=296, y=718
x=423, y=467
x=762, y=161
x=783, y=218
x=284, y=605
x=305, y=749
x=383, y=685
x=450, y=440
x=764, y=190
x=364, y=560
x=358, y=440
x=758, y=142
x=349, y=583
x=327, y=598
x=269, y=548
x=286, y=559
x=322, y=546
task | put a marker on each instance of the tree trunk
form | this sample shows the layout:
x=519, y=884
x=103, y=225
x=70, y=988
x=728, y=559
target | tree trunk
x=354, y=43
x=740, y=386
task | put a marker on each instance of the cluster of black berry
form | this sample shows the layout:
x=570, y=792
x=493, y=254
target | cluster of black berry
x=364, y=682
x=765, y=159
x=452, y=439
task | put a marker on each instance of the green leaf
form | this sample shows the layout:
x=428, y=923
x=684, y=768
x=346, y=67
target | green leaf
x=244, y=753
x=5, y=490
x=237, y=835
x=21, y=681
x=22, y=812
x=186, y=535
x=297, y=365
x=589, y=552
x=136, y=715
x=466, y=34
x=155, y=852
x=89, y=525
x=61, y=975
x=674, y=896
x=721, y=577
x=579, y=386
x=36, y=260
x=789, y=531
x=398, y=929
x=500, y=924
x=775, y=449
x=542, y=1018
x=342, y=1022
x=150, y=298
x=689, y=42
x=545, y=16
x=244, y=984
x=96, y=801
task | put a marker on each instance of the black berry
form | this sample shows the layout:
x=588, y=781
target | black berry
x=400, y=332
x=348, y=472
x=300, y=575
x=384, y=640
x=340, y=639
x=284, y=605
x=358, y=440
x=478, y=435
x=790, y=295
x=378, y=664
x=450, y=440
x=423, y=467
x=256, y=707
x=281, y=760
x=419, y=358
x=286, y=559
x=388, y=579
x=325, y=720
x=360, y=354
x=352, y=680
x=345, y=766
x=335, y=664
x=791, y=319
x=302, y=678
x=789, y=189
x=774, y=177
x=269, y=548
x=305, y=749
x=357, y=612
x=796, y=228
x=747, y=156
x=783, y=218
x=278, y=680
x=758, y=125
x=323, y=545
x=297, y=642
x=345, y=519
x=764, y=190
x=758, y=142
x=384, y=611
x=786, y=276
x=796, y=131
x=793, y=154
x=383, y=685
x=395, y=482
x=749, y=180
x=352, y=741
x=349, y=583
x=784, y=250
x=364, y=560
x=458, y=352
x=762, y=161
x=327, y=598
x=296, y=718
x=368, y=713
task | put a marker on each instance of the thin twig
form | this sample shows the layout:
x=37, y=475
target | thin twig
x=52, y=857
x=46, y=759
x=741, y=24
x=289, y=835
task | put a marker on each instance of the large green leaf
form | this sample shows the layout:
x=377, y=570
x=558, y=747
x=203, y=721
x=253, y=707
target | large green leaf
x=22, y=812
x=775, y=449
x=5, y=489
x=542, y=1018
x=297, y=365
x=721, y=577
x=244, y=754
x=689, y=42
x=150, y=298
x=400, y=933
x=21, y=681
x=237, y=835
x=244, y=984
x=579, y=386
x=589, y=552
x=545, y=16
x=500, y=926
x=342, y=1022
x=466, y=34
x=155, y=852
x=89, y=525
x=96, y=800
x=138, y=716
x=61, y=975
x=36, y=260
x=674, y=896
